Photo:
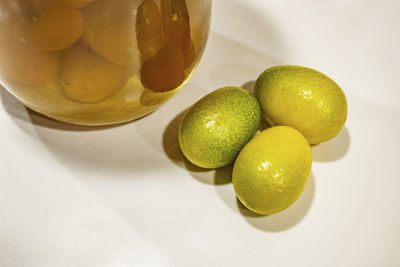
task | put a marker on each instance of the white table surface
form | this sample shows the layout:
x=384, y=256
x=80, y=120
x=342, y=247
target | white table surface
x=123, y=196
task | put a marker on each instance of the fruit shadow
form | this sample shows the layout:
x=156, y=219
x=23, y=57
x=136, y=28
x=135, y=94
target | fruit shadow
x=278, y=222
x=249, y=86
x=174, y=153
x=334, y=149
x=222, y=177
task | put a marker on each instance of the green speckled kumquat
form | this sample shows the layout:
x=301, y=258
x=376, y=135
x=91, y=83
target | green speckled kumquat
x=217, y=127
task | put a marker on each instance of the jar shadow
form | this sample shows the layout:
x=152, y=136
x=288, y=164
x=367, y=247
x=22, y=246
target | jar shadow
x=83, y=148
x=20, y=112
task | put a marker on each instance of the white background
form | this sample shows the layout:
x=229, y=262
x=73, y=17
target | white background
x=124, y=196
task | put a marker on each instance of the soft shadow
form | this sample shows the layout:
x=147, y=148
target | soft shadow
x=286, y=219
x=263, y=125
x=216, y=177
x=19, y=112
x=13, y=106
x=277, y=222
x=223, y=175
x=171, y=144
x=152, y=129
x=249, y=86
x=174, y=153
x=170, y=140
x=334, y=149
x=112, y=149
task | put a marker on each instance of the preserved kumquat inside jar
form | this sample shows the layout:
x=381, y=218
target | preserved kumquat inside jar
x=97, y=62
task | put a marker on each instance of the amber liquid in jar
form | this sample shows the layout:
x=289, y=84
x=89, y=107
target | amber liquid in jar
x=97, y=62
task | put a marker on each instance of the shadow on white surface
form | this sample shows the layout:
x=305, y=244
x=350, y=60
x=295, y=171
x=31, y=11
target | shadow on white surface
x=18, y=111
x=277, y=222
x=249, y=86
x=286, y=219
x=334, y=149
x=111, y=148
x=222, y=179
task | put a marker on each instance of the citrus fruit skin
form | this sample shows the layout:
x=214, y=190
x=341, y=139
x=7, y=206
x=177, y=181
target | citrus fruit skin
x=304, y=99
x=272, y=170
x=216, y=128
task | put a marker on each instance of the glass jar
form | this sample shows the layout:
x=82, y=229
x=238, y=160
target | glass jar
x=98, y=62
